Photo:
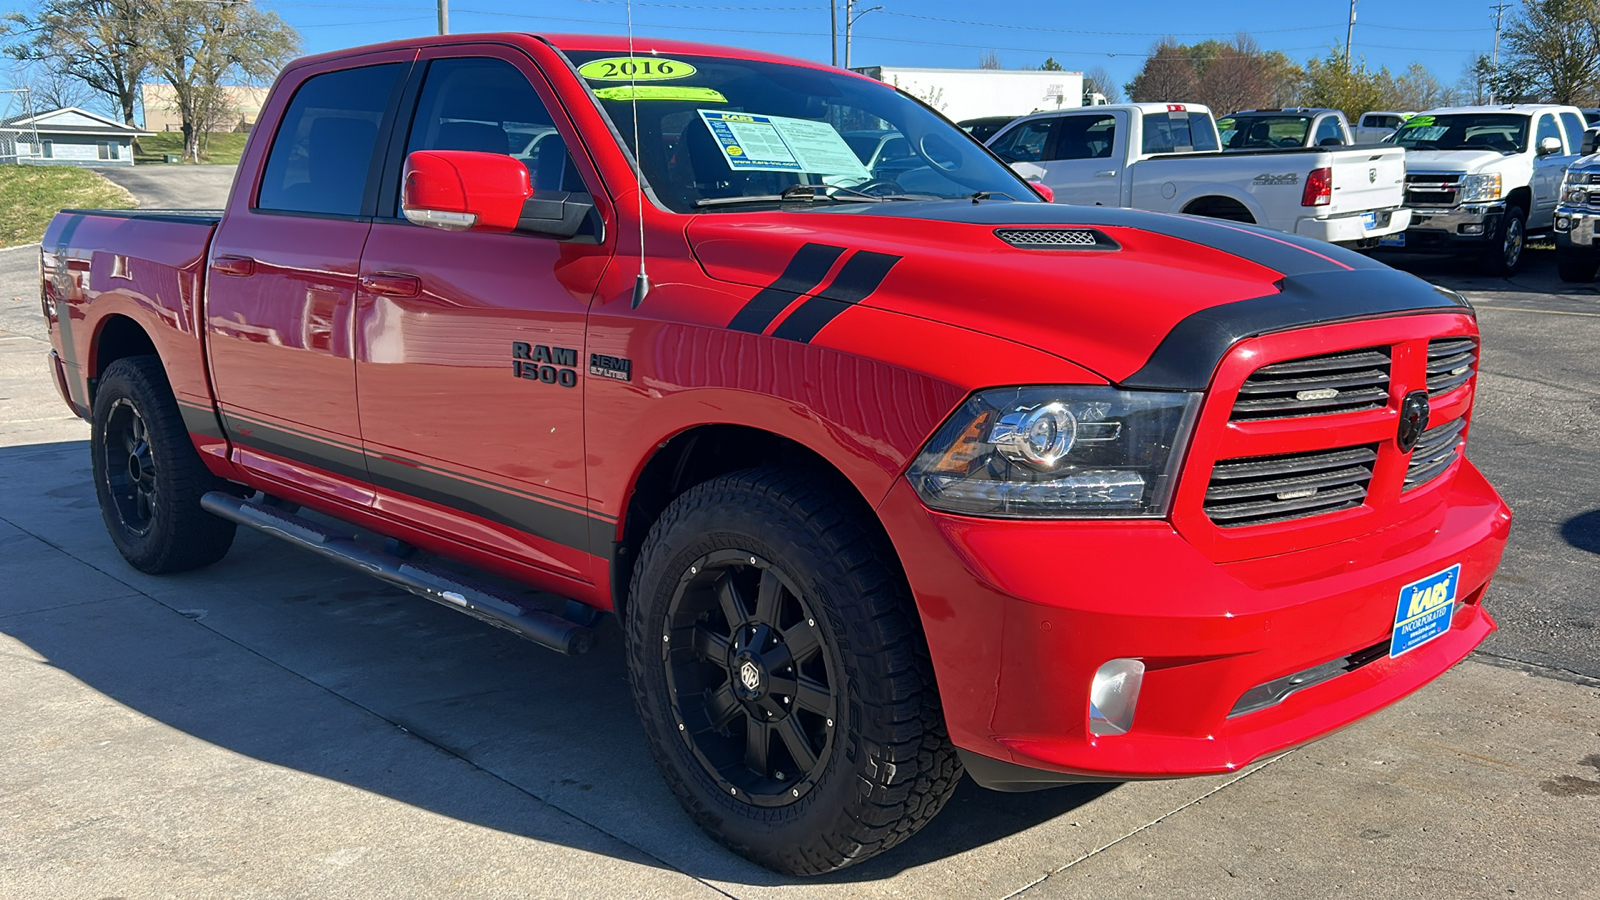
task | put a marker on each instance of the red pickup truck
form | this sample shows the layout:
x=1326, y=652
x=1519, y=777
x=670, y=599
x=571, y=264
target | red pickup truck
x=888, y=469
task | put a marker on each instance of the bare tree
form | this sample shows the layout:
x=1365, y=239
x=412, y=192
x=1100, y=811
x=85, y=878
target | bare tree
x=1235, y=77
x=53, y=88
x=1555, y=44
x=988, y=59
x=1168, y=76
x=103, y=43
x=1098, y=81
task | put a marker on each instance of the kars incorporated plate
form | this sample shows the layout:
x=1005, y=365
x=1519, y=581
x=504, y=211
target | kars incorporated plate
x=1424, y=611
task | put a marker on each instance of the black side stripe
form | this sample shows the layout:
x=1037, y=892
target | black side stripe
x=340, y=459
x=861, y=275
x=810, y=264
x=201, y=420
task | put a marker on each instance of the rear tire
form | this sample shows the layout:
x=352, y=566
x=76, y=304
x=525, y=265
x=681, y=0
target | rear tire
x=1577, y=266
x=147, y=474
x=808, y=735
x=1508, y=245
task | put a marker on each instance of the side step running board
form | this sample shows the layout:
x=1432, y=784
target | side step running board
x=447, y=588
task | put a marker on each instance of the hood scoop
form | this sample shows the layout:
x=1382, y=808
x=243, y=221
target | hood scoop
x=1057, y=238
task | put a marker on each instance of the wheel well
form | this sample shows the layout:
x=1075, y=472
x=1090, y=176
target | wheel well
x=120, y=337
x=1220, y=208
x=699, y=455
x=1520, y=197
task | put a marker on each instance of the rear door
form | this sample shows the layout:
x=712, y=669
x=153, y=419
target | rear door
x=470, y=355
x=282, y=281
x=1083, y=161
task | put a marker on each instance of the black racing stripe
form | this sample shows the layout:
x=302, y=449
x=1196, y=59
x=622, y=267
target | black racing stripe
x=567, y=527
x=1187, y=356
x=201, y=420
x=345, y=461
x=861, y=275
x=1286, y=254
x=810, y=264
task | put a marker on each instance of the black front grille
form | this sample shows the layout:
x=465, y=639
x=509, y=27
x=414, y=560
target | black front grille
x=1316, y=385
x=1450, y=364
x=1435, y=451
x=1425, y=189
x=1261, y=489
x=1057, y=238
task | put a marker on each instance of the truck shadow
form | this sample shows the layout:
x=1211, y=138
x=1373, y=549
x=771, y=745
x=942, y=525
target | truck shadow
x=286, y=659
x=1583, y=531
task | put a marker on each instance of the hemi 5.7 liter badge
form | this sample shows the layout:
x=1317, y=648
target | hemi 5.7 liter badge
x=617, y=367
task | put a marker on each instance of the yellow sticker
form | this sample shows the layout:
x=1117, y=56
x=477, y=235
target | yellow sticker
x=635, y=68
x=660, y=92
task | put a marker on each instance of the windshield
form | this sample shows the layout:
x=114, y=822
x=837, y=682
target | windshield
x=1263, y=132
x=713, y=130
x=1477, y=131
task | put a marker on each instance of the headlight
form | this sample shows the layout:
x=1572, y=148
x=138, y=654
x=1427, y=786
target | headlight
x=1580, y=177
x=1057, y=452
x=1480, y=188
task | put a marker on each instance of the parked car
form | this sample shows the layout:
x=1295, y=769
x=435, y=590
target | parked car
x=1375, y=127
x=886, y=154
x=1577, y=252
x=1484, y=178
x=986, y=127
x=884, y=479
x=1591, y=116
x=1164, y=157
x=1268, y=129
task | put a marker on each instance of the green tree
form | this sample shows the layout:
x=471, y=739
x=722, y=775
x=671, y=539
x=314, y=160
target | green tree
x=1353, y=89
x=102, y=43
x=1555, y=44
x=200, y=48
x=1050, y=65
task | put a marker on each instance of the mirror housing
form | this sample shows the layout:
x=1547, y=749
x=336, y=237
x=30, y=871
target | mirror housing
x=464, y=190
x=1590, y=139
x=1549, y=146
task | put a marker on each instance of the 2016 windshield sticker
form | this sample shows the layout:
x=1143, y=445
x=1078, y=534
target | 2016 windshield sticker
x=660, y=92
x=635, y=68
x=751, y=143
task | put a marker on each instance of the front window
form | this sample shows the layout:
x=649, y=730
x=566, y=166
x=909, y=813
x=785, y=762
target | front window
x=1499, y=132
x=1264, y=132
x=717, y=133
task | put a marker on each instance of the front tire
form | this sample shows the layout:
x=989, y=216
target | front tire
x=781, y=675
x=148, y=476
x=1504, y=253
x=1577, y=266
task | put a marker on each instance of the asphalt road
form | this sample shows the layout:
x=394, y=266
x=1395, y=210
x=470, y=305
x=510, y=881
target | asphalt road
x=175, y=187
x=276, y=726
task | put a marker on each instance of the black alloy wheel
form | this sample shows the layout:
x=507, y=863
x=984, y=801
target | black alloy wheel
x=751, y=688
x=130, y=475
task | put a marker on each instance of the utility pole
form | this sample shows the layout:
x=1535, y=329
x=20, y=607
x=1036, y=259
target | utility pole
x=850, y=17
x=833, y=30
x=444, y=16
x=1494, y=64
x=1349, y=34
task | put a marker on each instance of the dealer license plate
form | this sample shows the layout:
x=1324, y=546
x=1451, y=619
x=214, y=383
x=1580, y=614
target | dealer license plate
x=1424, y=610
x=1369, y=220
x=1392, y=240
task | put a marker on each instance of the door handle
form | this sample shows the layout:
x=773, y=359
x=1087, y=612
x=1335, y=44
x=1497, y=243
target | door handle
x=1110, y=174
x=237, y=266
x=390, y=284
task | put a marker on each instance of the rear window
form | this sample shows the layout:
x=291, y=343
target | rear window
x=1179, y=132
x=322, y=153
x=1264, y=132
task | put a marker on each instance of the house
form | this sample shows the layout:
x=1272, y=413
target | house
x=69, y=137
x=240, y=106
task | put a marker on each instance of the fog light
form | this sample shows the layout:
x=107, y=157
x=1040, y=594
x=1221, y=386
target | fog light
x=1562, y=223
x=1113, y=694
x=1472, y=229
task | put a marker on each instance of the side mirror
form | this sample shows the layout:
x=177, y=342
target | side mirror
x=464, y=190
x=1549, y=146
x=1590, y=138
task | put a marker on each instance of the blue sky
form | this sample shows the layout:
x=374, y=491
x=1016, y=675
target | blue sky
x=1443, y=34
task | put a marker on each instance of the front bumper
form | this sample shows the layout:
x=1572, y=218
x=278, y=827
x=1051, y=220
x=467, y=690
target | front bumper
x=1471, y=224
x=1019, y=615
x=1353, y=228
x=1575, y=227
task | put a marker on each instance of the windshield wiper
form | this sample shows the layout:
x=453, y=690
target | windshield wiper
x=796, y=193
x=980, y=196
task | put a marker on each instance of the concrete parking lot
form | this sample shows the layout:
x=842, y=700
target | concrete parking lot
x=274, y=726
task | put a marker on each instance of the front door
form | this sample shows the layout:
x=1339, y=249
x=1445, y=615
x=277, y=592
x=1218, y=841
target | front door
x=1547, y=173
x=282, y=280
x=470, y=363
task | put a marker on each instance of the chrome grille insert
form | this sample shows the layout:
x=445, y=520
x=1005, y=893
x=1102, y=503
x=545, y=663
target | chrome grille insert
x=1316, y=385
x=1451, y=362
x=1262, y=489
x=1435, y=451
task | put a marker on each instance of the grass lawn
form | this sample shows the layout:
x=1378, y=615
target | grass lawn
x=222, y=150
x=31, y=195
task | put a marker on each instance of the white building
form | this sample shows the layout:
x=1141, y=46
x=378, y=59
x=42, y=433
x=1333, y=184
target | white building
x=973, y=93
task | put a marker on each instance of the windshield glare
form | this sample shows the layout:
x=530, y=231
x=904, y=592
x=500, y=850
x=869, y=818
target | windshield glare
x=1482, y=131
x=1263, y=132
x=718, y=128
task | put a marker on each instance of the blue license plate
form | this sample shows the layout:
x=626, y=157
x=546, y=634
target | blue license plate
x=1392, y=240
x=1424, y=610
x=1369, y=220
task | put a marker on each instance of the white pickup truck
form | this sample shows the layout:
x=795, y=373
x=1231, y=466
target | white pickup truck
x=1485, y=177
x=1166, y=157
